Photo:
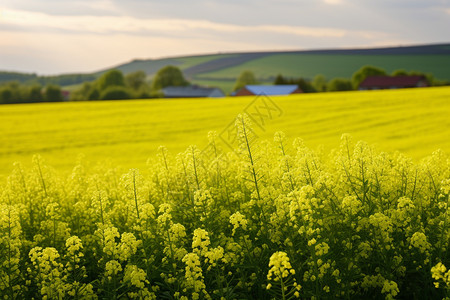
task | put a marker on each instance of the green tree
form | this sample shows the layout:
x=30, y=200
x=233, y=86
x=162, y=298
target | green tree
x=429, y=77
x=17, y=92
x=305, y=85
x=319, y=83
x=245, y=78
x=280, y=80
x=94, y=94
x=168, y=76
x=111, y=78
x=400, y=72
x=116, y=93
x=339, y=84
x=53, y=93
x=35, y=93
x=83, y=92
x=6, y=95
x=136, y=80
x=365, y=72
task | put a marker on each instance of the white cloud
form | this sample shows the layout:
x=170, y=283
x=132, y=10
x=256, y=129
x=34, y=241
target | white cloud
x=333, y=2
x=53, y=53
x=36, y=21
x=53, y=43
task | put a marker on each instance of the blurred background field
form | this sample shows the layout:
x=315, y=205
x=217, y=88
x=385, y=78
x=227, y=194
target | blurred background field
x=127, y=133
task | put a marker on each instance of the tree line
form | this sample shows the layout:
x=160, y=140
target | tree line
x=320, y=84
x=15, y=92
x=34, y=79
x=111, y=85
x=114, y=85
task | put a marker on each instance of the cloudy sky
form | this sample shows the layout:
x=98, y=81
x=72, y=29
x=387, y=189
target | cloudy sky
x=63, y=36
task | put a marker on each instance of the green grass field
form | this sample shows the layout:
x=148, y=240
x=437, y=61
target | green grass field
x=414, y=121
x=331, y=66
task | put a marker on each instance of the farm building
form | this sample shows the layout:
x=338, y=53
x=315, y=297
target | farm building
x=393, y=82
x=192, y=91
x=269, y=90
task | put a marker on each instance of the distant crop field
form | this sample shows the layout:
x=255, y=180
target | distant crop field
x=414, y=121
x=235, y=217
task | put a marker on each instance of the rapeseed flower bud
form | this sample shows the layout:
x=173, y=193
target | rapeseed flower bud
x=312, y=242
x=200, y=241
x=390, y=288
x=440, y=273
x=49, y=272
x=112, y=268
x=351, y=205
x=214, y=255
x=419, y=241
x=136, y=276
x=321, y=248
x=193, y=274
x=73, y=245
x=280, y=267
x=128, y=246
x=238, y=220
x=109, y=240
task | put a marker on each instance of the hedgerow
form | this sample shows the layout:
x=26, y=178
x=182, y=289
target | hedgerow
x=268, y=220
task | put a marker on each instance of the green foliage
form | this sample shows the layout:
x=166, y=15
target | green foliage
x=400, y=72
x=14, y=92
x=52, y=93
x=6, y=95
x=83, y=92
x=112, y=85
x=365, y=72
x=245, y=78
x=136, y=80
x=146, y=93
x=432, y=81
x=35, y=93
x=94, y=94
x=303, y=84
x=67, y=79
x=339, y=84
x=110, y=78
x=16, y=76
x=429, y=77
x=63, y=80
x=116, y=93
x=168, y=76
x=319, y=83
x=280, y=80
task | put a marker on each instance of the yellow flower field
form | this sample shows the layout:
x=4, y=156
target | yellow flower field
x=249, y=213
x=414, y=121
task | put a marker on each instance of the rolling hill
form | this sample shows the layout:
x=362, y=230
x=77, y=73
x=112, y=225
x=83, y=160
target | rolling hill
x=222, y=69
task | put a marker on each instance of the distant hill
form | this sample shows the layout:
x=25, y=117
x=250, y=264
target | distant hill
x=222, y=69
x=63, y=80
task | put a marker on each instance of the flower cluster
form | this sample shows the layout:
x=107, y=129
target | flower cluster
x=238, y=221
x=269, y=220
x=281, y=273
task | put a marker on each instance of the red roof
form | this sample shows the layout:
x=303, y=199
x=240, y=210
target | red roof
x=393, y=81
